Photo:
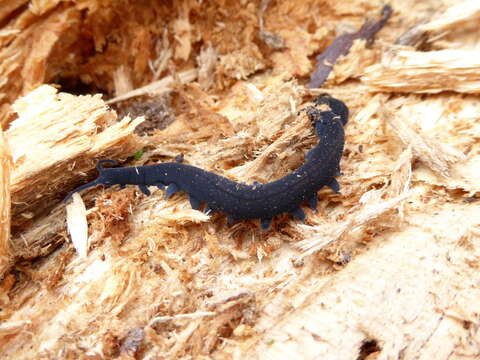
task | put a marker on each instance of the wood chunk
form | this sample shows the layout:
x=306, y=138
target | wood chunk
x=55, y=141
x=409, y=71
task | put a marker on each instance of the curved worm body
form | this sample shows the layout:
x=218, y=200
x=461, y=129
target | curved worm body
x=242, y=201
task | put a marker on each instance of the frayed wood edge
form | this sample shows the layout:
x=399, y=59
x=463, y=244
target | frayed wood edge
x=13, y=327
x=405, y=70
x=454, y=17
x=432, y=72
x=373, y=207
x=191, y=316
x=207, y=61
x=157, y=87
x=293, y=133
x=438, y=157
x=402, y=178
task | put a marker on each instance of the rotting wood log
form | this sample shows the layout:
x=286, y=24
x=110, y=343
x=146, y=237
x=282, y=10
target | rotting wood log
x=387, y=269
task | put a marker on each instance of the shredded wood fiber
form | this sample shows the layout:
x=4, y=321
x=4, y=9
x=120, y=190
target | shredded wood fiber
x=5, y=204
x=389, y=268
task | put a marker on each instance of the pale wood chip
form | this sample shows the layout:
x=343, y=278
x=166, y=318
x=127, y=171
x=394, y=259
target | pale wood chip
x=439, y=157
x=77, y=225
x=432, y=72
x=157, y=87
x=454, y=17
x=373, y=206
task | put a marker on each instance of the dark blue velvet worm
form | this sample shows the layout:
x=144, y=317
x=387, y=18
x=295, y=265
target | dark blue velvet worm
x=242, y=201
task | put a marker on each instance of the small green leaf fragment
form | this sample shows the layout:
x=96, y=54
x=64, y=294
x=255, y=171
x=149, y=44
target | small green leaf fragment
x=138, y=155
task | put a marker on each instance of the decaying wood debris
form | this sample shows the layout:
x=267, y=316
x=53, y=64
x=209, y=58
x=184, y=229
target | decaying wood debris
x=389, y=268
x=54, y=133
x=341, y=47
x=5, y=205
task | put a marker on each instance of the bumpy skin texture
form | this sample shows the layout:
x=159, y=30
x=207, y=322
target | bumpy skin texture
x=242, y=201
